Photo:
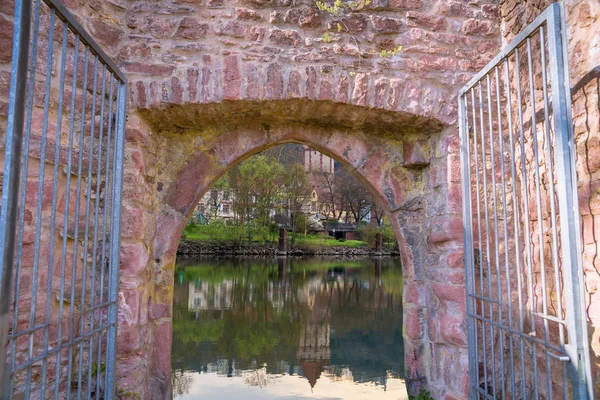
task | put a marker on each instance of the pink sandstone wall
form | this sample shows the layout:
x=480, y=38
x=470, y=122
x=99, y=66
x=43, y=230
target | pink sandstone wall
x=216, y=82
x=213, y=82
x=426, y=222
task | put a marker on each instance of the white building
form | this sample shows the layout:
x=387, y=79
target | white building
x=209, y=296
x=216, y=203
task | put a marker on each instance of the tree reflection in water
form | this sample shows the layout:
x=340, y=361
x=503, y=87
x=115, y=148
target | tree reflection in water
x=261, y=318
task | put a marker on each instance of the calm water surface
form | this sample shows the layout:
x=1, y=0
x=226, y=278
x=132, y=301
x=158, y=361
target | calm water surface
x=288, y=329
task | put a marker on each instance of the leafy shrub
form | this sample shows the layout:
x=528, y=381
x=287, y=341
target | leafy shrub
x=389, y=236
x=423, y=395
x=301, y=223
x=367, y=234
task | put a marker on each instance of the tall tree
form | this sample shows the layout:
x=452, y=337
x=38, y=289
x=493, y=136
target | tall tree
x=256, y=184
x=377, y=213
x=241, y=196
x=295, y=191
x=355, y=199
x=330, y=196
x=286, y=154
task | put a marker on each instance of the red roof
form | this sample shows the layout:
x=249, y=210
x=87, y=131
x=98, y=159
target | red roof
x=312, y=370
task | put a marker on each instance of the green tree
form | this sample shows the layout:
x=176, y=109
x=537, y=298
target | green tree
x=296, y=190
x=242, y=197
x=256, y=184
x=330, y=198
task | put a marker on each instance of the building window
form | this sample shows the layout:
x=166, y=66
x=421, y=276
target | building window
x=313, y=206
x=226, y=195
x=214, y=195
x=225, y=208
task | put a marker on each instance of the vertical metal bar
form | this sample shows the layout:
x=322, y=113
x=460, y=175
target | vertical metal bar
x=115, y=240
x=40, y=194
x=475, y=150
x=63, y=260
x=87, y=226
x=560, y=9
x=472, y=275
x=468, y=235
x=104, y=222
x=515, y=220
x=23, y=188
x=76, y=228
x=95, y=240
x=580, y=293
x=553, y=219
x=579, y=369
x=12, y=169
x=538, y=199
x=505, y=224
x=526, y=220
x=111, y=195
x=496, y=248
x=54, y=204
x=487, y=239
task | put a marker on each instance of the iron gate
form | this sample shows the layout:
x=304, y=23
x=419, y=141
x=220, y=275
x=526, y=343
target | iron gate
x=527, y=333
x=61, y=210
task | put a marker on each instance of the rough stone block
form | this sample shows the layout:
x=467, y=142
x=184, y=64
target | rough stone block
x=6, y=35
x=105, y=32
x=413, y=323
x=132, y=224
x=231, y=28
x=232, y=82
x=454, y=329
x=406, y=4
x=360, y=94
x=456, y=260
x=386, y=25
x=422, y=20
x=354, y=24
x=449, y=292
x=134, y=259
x=479, y=28
x=446, y=228
x=274, y=82
x=285, y=37
x=245, y=14
x=309, y=18
x=416, y=153
x=191, y=28
x=294, y=86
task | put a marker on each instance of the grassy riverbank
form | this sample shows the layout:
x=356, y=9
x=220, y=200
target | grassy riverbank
x=235, y=234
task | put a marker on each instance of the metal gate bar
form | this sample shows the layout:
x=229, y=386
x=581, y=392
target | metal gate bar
x=525, y=305
x=60, y=236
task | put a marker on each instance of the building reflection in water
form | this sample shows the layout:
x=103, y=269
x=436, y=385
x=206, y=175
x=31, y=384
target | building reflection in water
x=260, y=321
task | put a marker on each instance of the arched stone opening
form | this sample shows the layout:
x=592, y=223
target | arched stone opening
x=195, y=53
x=176, y=152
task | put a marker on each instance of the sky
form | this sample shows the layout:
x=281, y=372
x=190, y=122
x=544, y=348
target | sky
x=290, y=387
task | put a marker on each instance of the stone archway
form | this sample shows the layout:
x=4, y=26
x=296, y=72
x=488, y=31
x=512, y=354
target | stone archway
x=197, y=56
x=194, y=67
x=410, y=162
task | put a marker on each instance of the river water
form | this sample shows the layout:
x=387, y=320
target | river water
x=308, y=328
